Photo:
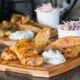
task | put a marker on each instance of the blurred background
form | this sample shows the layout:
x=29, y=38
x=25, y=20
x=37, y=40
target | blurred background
x=27, y=7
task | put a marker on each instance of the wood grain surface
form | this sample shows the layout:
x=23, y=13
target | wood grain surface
x=46, y=70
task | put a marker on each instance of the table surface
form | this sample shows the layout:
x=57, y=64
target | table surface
x=73, y=74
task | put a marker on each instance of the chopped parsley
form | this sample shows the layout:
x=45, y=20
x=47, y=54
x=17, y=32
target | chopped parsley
x=8, y=28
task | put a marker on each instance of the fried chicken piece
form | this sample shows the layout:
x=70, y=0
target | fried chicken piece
x=16, y=18
x=29, y=27
x=27, y=54
x=42, y=38
x=71, y=52
x=35, y=61
x=64, y=42
x=69, y=46
x=6, y=24
x=25, y=19
x=8, y=55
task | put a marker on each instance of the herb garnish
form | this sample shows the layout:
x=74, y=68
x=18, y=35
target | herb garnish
x=8, y=28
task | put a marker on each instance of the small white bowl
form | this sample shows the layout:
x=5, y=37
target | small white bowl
x=65, y=33
x=48, y=18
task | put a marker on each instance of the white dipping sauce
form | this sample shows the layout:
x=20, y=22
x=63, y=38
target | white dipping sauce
x=25, y=34
x=53, y=57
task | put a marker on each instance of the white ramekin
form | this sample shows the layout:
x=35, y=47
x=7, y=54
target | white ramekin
x=48, y=18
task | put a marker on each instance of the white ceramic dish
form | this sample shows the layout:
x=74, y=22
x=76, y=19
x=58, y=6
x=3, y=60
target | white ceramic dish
x=48, y=15
x=65, y=33
x=48, y=18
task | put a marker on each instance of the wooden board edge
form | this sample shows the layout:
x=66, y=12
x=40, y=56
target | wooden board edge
x=34, y=73
x=55, y=71
x=70, y=65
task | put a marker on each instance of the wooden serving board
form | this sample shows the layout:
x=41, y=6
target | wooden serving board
x=46, y=70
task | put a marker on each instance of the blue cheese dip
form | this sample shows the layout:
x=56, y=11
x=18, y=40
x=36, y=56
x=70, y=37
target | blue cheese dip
x=53, y=57
x=18, y=35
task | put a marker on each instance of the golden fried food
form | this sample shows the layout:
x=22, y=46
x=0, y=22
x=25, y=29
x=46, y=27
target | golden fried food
x=42, y=38
x=2, y=34
x=26, y=53
x=7, y=28
x=29, y=27
x=16, y=18
x=65, y=42
x=8, y=55
x=6, y=24
x=69, y=46
x=35, y=61
x=71, y=52
x=25, y=19
x=7, y=33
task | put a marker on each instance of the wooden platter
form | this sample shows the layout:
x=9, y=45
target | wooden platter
x=46, y=70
